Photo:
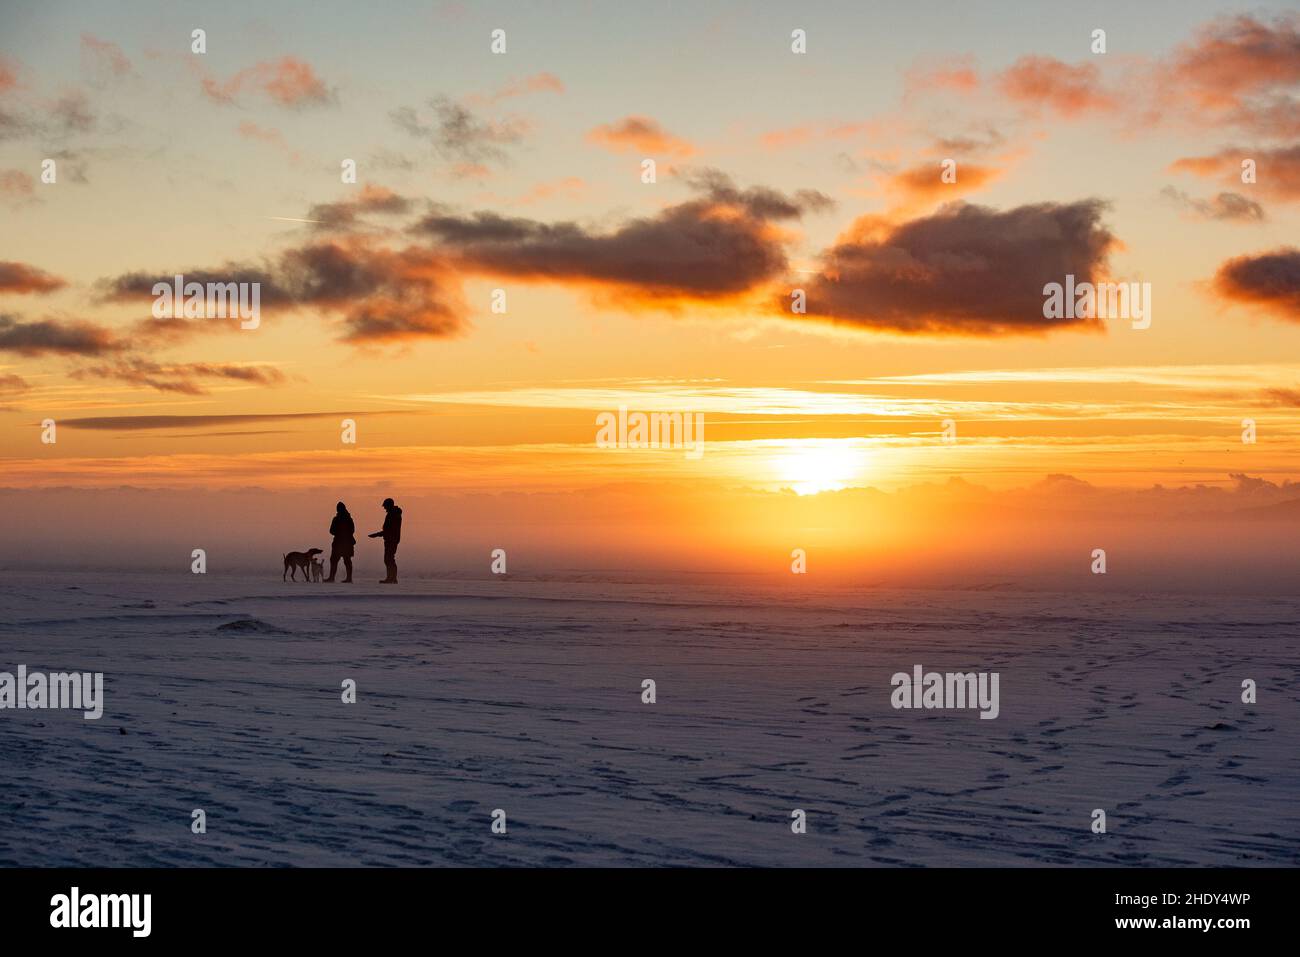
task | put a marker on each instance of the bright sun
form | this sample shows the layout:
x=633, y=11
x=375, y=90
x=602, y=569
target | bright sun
x=819, y=465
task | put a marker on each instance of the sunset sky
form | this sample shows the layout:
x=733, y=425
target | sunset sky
x=522, y=171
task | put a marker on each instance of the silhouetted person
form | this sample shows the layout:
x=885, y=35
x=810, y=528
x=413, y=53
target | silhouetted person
x=392, y=534
x=344, y=531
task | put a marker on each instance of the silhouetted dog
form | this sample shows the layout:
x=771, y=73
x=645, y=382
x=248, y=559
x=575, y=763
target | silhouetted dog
x=317, y=569
x=295, y=560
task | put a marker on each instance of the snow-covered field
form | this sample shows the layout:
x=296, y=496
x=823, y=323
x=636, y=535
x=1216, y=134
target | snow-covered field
x=225, y=694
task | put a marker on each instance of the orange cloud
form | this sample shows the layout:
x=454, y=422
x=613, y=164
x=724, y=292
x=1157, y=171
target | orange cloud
x=251, y=131
x=570, y=187
x=471, y=171
x=8, y=76
x=16, y=184
x=957, y=75
x=104, y=56
x=268, y=135
x=813, y=133
x=288, y=82
x=1239, y=71
x=1277, y=172
x=537, y=83
x=1243, y=71
x=1048, y=83
x=640, y=134
x=21, y=278
x=923, y=183
x=1206, y=166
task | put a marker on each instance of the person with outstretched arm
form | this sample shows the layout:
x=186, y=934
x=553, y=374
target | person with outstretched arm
x=391, y=534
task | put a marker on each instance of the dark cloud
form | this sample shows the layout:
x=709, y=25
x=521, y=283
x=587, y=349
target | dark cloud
x=182, y=378
x=173, y=329
x=1229, y=207
x=682, y=251
x=759, y=201
x=965, y=269
x=16, y=126
x=226, y=435
x=382, y=294
x=345, y=213
x=72, y=114
x=56, y=336
x=139, y=285
x=456, y=134
x=143, y=422
x=1269, y=280
x=336, y=273
x=485, y=227
x=24, y=114
x=724, y=243
x=721, y=245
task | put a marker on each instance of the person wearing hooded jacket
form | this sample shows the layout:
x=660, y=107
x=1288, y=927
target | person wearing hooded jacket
x=345, y=543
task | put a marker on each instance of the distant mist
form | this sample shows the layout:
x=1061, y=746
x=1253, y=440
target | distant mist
x=1241, y=539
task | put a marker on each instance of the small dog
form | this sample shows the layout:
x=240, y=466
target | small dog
x=295, y=560
x=317, y=569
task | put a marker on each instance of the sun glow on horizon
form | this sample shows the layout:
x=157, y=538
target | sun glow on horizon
x=820, y=465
